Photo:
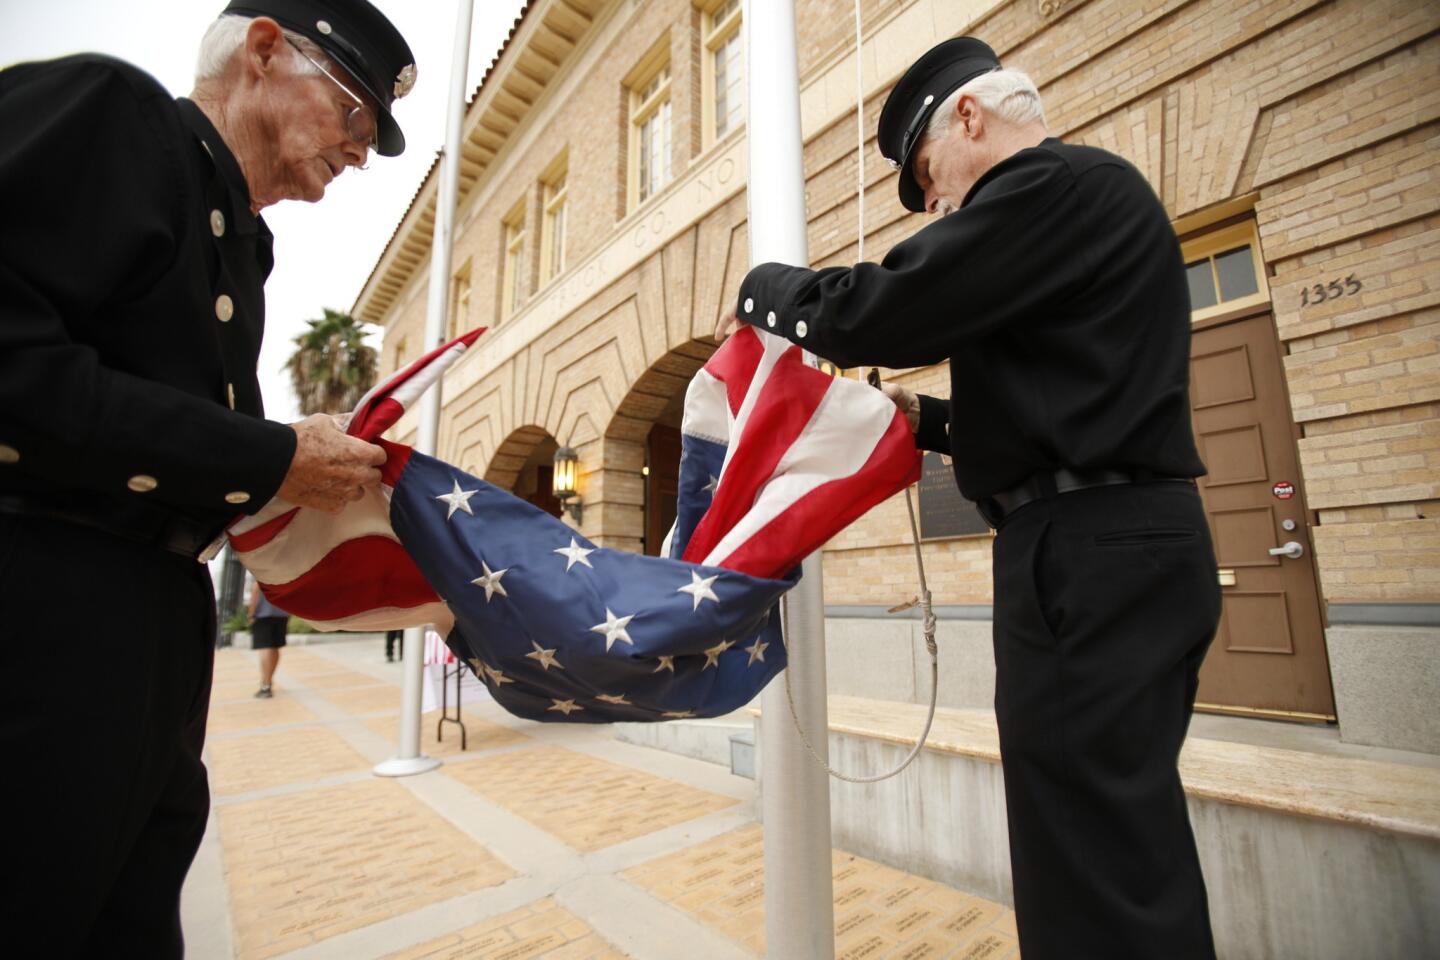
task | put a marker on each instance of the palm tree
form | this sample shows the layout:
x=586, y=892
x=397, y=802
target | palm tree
x=331, y=367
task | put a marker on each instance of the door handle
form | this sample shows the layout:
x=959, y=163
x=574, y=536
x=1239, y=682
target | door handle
x=1291, y=550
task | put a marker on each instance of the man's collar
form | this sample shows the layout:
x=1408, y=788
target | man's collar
x=241, y=216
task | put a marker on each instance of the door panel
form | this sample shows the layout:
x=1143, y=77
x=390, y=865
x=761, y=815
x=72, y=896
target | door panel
x=1269, y=655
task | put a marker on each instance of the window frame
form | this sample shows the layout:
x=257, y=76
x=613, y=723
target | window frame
x=1207, y=246
x=512, y=259
x=714, y=36
x=461, y=290
x=640, y=108
x=554, y=217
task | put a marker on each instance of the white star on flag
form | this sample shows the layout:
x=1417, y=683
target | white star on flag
x=712, y=654
x=614, y=629
x=566, y=707
x=712, y=486
x=491, y=581
x=614, y=698
x=458, y=500
x=546, y=657
x=574, y=554
x=482, y=668
x=700, y=589
x=677, y=714
x=756, y=651
x=666, y=663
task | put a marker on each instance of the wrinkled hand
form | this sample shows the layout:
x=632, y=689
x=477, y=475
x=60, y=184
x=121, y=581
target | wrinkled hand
x=729, y=322
x=329, y=469
x=908, y=403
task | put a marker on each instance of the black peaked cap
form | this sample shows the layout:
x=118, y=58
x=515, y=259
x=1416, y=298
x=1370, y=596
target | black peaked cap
x=943, y=69
x=360, y=39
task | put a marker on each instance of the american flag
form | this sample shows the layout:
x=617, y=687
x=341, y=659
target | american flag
x=777, y=457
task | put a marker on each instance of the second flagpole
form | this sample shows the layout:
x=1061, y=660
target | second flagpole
x=408, y=759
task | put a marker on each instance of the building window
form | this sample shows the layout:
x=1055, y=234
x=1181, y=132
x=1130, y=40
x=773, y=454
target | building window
x=723, y=69
x=552, y=224
x=649, y=153
x=460, y=301
x=512, y=279
x=1225, y=271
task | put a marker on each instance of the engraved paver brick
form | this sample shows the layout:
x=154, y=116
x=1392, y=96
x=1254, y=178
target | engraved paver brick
x=542, y=929
x=376, y=698
x=243, y=763
x=479, y=734
x=586, y=802
x=880, y=912
x=253, y=714
x=307, y=866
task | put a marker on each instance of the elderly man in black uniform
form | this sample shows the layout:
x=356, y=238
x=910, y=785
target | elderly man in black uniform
x=131, y=432
x=1053, y=285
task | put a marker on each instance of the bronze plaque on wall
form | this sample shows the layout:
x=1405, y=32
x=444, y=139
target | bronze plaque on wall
x=943, y=512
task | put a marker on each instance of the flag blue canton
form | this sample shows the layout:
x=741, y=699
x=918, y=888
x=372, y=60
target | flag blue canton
x=562, y=630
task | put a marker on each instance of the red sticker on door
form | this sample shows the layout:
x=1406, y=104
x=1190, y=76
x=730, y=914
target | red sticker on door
x=1283, y=490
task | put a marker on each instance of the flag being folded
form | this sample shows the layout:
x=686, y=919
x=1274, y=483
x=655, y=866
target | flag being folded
x=777, y=458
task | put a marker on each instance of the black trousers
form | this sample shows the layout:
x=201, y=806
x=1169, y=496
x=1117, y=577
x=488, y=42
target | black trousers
x=108, y=649
x=1105, y=603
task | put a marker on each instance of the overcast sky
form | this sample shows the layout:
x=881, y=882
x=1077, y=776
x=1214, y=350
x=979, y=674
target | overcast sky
x=324, y=251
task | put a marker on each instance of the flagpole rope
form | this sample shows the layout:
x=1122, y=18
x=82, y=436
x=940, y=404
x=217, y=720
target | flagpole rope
x=928, y=614
x=926, y=609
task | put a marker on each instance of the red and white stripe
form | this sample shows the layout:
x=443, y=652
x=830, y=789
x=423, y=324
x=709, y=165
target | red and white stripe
x=808, y=454
x=349, y=571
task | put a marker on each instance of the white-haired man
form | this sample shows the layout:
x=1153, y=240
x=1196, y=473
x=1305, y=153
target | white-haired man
x=1052, y=284
x=131, y=432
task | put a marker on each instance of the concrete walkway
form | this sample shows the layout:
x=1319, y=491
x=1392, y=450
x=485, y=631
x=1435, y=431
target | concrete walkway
x=539, y=840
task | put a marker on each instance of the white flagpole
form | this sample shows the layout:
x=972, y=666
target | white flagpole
x=409, y=760
x=795, y=806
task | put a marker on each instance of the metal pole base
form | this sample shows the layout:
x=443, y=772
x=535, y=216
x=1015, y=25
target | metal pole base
x=406, y=766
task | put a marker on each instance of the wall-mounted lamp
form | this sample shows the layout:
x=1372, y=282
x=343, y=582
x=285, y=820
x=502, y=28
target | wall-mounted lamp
x=567, y=468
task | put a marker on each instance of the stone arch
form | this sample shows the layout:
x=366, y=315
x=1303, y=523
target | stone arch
x=641, y=448
x=521, y=464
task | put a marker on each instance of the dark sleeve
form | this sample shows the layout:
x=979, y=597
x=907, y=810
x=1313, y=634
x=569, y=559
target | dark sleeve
x=934, y=430
x=89, y=225
x=1011, y=247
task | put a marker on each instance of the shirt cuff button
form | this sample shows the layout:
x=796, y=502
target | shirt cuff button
x=237, y=497
x=142, y=483
x=9, y=454
x=770, y=319
x=749, y=304
x=801, y=329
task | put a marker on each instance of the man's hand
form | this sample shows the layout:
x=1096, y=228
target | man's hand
x=908, y=403
x=729, y=322
x=330, y=469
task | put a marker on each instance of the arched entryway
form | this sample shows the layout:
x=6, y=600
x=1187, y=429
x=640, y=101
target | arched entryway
x=643, y=441
x=523, y=464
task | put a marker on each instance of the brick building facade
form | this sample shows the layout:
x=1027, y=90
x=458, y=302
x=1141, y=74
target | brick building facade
x=601, y=229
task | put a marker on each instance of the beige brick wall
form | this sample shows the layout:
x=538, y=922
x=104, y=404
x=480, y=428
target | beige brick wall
x=1325, y=114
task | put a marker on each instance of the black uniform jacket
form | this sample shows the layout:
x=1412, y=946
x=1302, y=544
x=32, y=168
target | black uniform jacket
x=1059, y=298
x=131, y=302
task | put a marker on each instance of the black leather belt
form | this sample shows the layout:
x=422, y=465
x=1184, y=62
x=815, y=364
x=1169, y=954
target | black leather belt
x=996, y=507
x=180, y=535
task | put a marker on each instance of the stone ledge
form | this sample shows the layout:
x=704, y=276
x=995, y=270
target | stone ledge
x=1393, y=797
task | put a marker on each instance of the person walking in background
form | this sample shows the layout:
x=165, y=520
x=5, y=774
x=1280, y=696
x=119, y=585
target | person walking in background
x=269, y=626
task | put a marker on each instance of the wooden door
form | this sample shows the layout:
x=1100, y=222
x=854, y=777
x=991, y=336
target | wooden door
x=662, y=483
x=1269, y=655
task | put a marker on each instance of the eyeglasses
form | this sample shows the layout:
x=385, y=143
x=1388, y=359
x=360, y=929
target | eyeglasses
x=359, y=119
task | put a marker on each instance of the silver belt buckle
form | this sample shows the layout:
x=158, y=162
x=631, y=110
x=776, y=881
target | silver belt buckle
x=212, y=551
